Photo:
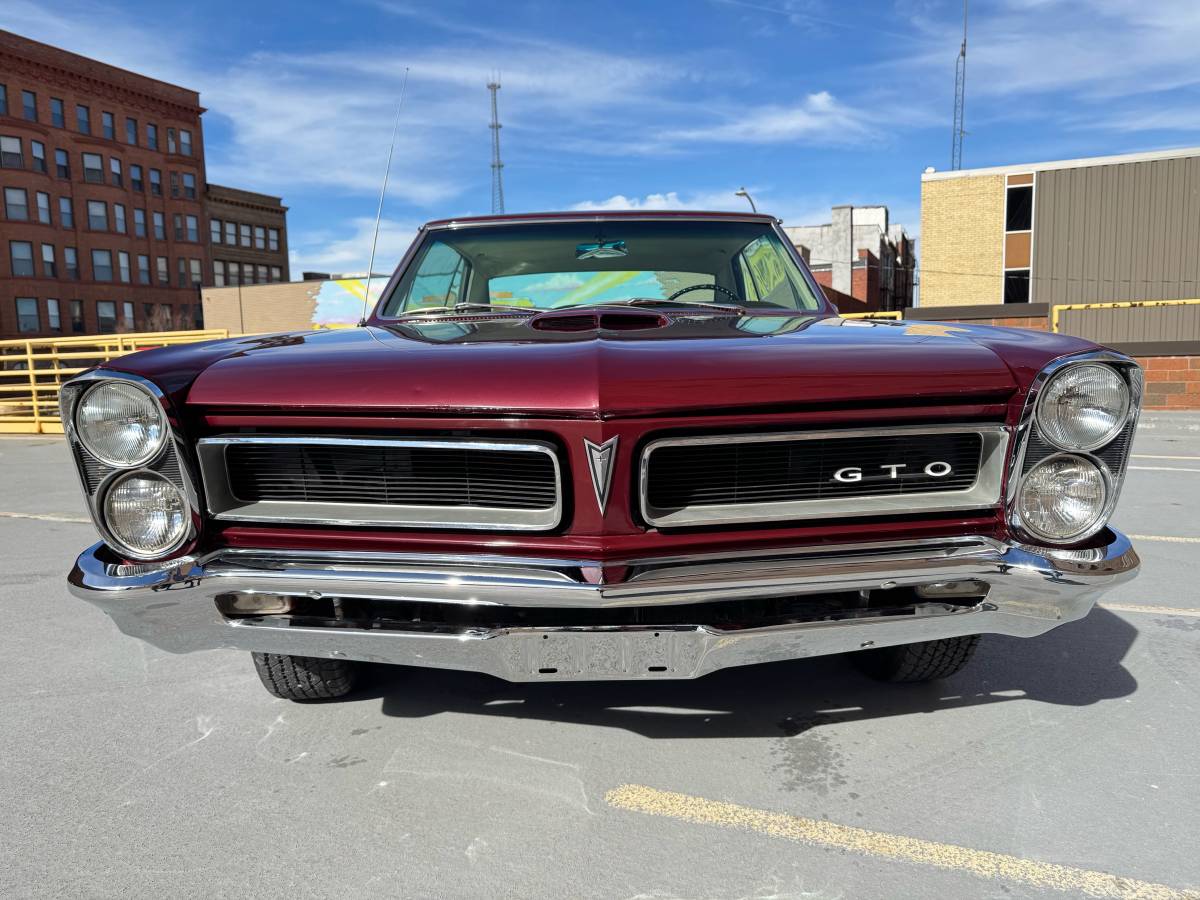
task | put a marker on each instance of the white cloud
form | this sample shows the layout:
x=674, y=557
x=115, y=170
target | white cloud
x=819, y=118
x=329, y=251
x=706, y=200
x=562, y=281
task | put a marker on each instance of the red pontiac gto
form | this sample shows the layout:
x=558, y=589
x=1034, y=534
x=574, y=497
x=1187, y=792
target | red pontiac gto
x=580, y=446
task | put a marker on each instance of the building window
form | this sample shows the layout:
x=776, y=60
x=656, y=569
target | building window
x=93, y=168
x=214, y=229
x=218, y=273
x=102, y=265
x=83, y=119
x=273, y=239
x=183, y=271
x=97, y=215
x=106, y=122
x=197, y=272
x=3, y=100
x=77, y=325
x=53, y=315
x=71, y=263
x=62, y=164
x=156, y=182
x=135, y=179
x=21, y=254
x=232, y=278
x=231, y=234
x=29, y=105
x=106, y=316
x=57, y=116
x=189, y=185
x=127, y=314
x=131, y=131
x=193, y=228
x=123, y=264
x=114, y=165
x=37, y=150
x=143, y=269
x=151, y=135
x=174, y=184
x=178, y=218
x=262, y=274
x=160, y=265
x=260, y=237
x=139, y=223
x=43, y=208
x=1018, y=208
x=10, y=153
x=1016, y=286
x=276, y=273
x=16, y=204
x=119, y=217
x=171, y=145
x=247, y=273
x=49, y=264
x=185, y=142
x=66, y=212
x=246, y=236
x=160, y=229
x=27, y=316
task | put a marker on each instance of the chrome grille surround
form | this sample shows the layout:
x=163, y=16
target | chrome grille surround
x=984, y=492
x=224, y=504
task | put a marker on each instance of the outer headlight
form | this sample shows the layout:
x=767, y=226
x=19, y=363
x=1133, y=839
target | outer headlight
x=146, y=513
x=1062, y=498
x=121, y=425
x=1083, y=407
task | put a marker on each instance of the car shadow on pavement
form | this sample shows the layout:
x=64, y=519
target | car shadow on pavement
x=1075, y=665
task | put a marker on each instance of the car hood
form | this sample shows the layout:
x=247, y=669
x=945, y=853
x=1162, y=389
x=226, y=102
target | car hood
x=676, y=363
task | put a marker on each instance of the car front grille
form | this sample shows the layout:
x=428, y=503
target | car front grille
x=445, y=483
x=719, y=479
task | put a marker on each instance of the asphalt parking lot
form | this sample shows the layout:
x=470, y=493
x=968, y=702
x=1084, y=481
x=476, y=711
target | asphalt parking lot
x=1061, y=766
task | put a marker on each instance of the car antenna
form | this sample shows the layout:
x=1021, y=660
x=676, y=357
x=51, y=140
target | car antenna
x=382, y=193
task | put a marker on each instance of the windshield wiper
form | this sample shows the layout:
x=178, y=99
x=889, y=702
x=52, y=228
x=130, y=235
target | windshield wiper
x=469, y=307
x=662, y=301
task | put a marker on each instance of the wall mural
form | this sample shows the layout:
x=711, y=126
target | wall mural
x=339, y=303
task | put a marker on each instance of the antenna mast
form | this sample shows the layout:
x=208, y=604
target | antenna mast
x=497, y=165
x=382, y=193
x=960, y=89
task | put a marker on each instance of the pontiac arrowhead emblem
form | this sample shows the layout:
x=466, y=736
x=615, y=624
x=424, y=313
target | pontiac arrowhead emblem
x=600, y=462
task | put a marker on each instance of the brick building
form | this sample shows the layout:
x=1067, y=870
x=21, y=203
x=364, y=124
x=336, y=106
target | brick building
x=248, y=234
x=103, y=220
x=863, y=262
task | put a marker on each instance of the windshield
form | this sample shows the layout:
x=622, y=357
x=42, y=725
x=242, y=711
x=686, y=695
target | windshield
x=570, y=264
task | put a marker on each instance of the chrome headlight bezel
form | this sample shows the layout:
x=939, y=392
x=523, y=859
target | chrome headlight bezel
x=113, y=483
x=153, y=407
x=1120, y=418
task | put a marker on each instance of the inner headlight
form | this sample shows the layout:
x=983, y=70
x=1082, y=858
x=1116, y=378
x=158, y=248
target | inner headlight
x=1083, y=407
x=121, y=425
x=1062, y=498
x=146, y=513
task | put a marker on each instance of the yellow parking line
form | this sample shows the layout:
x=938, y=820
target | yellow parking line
x=1139, y=608
x=878, y=844
x=1170, y=539
x=45, y=518
x=1162, y=469
x=1156, y=456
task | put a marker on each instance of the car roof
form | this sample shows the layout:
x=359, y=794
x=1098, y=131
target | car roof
x=601, y=216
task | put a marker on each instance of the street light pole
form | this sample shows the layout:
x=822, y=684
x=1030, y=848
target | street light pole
x=745, y=193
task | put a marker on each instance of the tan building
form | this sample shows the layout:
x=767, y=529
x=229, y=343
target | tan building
x=1108, y=228
x=290, y=305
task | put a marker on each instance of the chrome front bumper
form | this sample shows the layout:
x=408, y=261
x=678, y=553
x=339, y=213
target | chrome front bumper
x=1029, y=591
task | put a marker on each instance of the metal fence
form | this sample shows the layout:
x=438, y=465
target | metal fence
x=32, y=371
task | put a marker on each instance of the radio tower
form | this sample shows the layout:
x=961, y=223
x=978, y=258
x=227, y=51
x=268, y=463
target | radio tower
x=960, y=89
x=497, y=166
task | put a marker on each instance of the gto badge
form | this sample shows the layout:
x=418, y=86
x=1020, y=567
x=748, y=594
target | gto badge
x=600, y=463
x=853, y=473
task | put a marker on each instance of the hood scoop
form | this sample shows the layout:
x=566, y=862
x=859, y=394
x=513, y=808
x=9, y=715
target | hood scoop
x=575, y=320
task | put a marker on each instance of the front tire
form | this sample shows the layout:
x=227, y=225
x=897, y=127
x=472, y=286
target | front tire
x=306, y=678
x=925, y=661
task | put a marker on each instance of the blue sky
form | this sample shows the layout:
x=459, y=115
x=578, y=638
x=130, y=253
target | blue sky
x=808, y=103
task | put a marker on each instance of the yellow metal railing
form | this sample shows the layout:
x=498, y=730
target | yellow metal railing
x=892, y=314
x=1058, y=309
x=32, y=371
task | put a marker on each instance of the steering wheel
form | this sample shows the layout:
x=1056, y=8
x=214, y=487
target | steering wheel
x=707, y=287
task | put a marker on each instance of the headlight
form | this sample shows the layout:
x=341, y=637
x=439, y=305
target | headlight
x=1083, y=407
x=146, y=513
x=121, y=425
x=1062, y=498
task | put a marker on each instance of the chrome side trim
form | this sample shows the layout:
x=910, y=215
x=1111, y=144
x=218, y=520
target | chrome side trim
x=173, y=605
x=223, y=505
x=985, y=492
x=1113, y=481
x=175, y=443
